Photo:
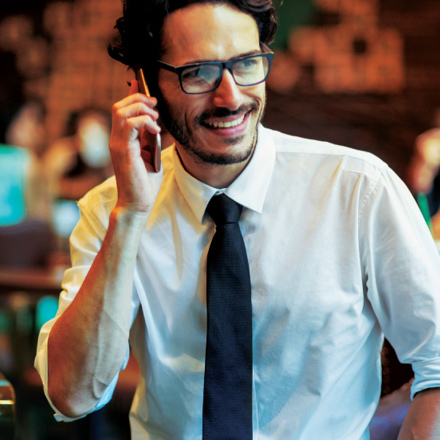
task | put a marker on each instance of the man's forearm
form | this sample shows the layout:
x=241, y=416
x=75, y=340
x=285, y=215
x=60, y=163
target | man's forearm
x=87, y=344
x=423, y=419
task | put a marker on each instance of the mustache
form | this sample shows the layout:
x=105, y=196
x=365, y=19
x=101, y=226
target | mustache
x=222, y=112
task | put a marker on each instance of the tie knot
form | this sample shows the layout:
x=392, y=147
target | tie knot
x=224, y=210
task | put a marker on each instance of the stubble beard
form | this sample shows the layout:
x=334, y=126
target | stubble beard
x=185, y=136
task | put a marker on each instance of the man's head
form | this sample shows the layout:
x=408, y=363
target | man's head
x=214, y=125
x=140, y=40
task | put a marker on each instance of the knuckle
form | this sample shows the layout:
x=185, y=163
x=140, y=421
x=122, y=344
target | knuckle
x=119, y=113
x=115, y=108
x=130, y=124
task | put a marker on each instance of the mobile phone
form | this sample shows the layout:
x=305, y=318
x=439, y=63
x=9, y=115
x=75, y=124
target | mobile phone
x=154, y=141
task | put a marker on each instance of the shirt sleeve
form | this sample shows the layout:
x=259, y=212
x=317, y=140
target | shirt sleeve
x=85, y=243
x=402, y=276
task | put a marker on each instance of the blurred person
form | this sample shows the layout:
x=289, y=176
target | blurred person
x=75, y=164
x=23, y=192
x=81, y=160
x=424, y=176
x=27, y=128
x=339, y=255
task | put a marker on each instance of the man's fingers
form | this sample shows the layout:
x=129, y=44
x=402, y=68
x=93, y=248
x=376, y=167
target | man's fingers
x=134, y=107
x=144, y=122
x=136, y=116
x=136, y=104
x=139, y=109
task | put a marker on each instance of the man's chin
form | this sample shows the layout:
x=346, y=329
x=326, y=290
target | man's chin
x=236, y=150
x=224, y=159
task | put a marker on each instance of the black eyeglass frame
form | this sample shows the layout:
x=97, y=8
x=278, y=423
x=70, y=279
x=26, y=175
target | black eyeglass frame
x=178, y=70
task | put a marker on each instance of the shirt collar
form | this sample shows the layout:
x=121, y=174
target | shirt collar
x=249, y=189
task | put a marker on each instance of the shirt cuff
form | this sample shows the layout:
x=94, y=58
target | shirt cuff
x=41, y=366
x=426, y=375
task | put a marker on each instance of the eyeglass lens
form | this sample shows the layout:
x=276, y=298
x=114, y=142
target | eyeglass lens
x=204, y=77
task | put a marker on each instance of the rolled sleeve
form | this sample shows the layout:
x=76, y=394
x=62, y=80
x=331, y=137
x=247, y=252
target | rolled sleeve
x=403, y=277
x=41, y=365
x=426, y=375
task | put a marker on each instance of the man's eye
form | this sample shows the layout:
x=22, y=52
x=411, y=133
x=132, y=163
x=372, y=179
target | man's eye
x=190, y=74
x=208, y=73
x=247, y=64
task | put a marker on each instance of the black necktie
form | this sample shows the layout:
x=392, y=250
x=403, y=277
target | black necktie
x=227, y=402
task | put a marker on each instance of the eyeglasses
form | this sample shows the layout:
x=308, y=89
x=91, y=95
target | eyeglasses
x=204, y=77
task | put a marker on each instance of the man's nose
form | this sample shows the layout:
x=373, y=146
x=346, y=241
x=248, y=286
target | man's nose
x=228, y=93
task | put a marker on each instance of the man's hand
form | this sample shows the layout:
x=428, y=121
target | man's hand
x=138, y=185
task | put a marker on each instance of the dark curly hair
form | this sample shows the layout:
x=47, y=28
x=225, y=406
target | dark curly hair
x=140, y=30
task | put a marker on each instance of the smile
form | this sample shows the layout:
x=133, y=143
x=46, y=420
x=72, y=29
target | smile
x=228, y=124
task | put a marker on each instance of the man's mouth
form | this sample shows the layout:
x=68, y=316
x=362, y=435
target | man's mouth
x=225, y=119
x=226, y=124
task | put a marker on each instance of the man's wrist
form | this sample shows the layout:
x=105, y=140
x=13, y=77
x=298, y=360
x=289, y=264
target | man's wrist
x=128, y=217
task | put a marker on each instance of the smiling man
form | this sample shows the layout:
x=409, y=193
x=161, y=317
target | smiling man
x=217, y=127
x=331, y=249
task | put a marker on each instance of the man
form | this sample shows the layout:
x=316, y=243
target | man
x=337, y=250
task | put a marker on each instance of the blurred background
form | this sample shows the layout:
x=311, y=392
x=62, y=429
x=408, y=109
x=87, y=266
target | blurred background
x=362, y=73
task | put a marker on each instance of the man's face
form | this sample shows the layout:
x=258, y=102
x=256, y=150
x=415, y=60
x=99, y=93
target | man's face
x=218, y=127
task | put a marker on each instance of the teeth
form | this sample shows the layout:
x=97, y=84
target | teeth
x=229, y=124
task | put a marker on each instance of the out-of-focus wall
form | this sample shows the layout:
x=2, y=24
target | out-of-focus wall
x=56, y=51
x=363, y=73
x=358, y=72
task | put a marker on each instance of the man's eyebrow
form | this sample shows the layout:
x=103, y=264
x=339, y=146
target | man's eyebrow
x=245, y=54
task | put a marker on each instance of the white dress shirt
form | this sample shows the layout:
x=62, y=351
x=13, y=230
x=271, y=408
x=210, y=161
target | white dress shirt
x=339, y=255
